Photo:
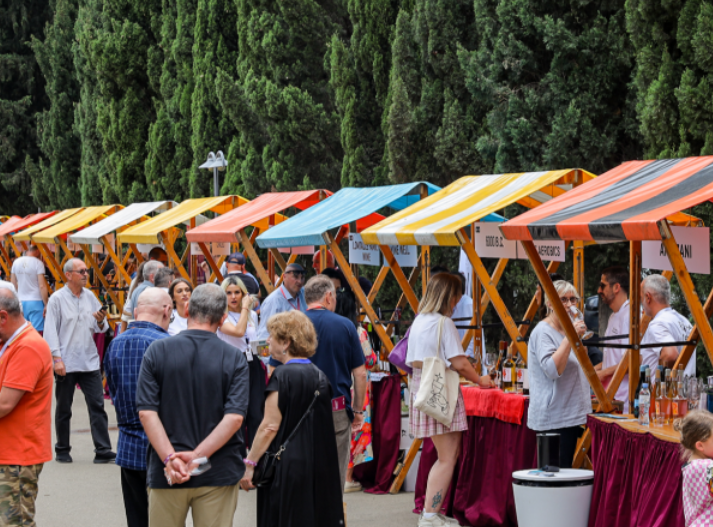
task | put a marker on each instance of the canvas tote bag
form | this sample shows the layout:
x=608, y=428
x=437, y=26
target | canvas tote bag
x=438, y=393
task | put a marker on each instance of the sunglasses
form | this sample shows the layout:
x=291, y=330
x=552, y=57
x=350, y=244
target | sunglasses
x=83, y=272
x=571, y=300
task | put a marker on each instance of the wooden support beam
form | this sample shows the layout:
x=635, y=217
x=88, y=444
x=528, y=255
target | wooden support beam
x=255, y=259
x=400, y=277
x=634, y=353
x=211, y=262
x=401, y=304
x=172, y=256
x=120, y=268
x=383, y=273
x=688, y=349
x=578, y=348
x=5, y=260
x=495, y=279
x=51, y=263
x=425, y=268
x=137, y=253
x=492, y=291
x=100, y=276
x=361, y=297
x=687, y=287
x=578, y=271
x=408, y=461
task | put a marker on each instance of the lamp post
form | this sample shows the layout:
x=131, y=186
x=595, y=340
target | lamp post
x=217, y=162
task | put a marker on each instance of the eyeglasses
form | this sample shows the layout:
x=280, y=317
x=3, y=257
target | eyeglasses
x=296, y=274
x=602, y=285
x=83, y=272
x=570, y=300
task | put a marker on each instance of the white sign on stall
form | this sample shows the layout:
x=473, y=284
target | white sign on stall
x=361, y=253
x=406, y=255
x=195, y=249
x=490, y=242
x=219, y=249
x=549, y=250
x=695, y=247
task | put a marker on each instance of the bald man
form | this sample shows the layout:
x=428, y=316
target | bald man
x=152, y=316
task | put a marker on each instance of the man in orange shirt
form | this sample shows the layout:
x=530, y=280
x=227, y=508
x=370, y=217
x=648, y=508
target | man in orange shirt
x=25, y=412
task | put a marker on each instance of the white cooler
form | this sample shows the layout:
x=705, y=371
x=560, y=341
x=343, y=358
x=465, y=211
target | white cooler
x=562, y=500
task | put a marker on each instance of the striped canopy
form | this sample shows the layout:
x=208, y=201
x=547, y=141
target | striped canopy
x=625, y=203
x=224, y=228
x=437, y=219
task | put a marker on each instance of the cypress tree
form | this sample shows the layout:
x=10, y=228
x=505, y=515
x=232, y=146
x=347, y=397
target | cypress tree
x=22, y=97
x=56, y=186
x=555, y=75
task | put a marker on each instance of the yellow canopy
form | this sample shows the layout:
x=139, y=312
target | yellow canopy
x=148, y=231
x=77, y=221
x=24, y=236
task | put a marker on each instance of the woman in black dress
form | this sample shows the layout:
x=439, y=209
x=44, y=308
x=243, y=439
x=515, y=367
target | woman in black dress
x=306, y=489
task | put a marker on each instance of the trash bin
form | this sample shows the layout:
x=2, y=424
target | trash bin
x=559, y=500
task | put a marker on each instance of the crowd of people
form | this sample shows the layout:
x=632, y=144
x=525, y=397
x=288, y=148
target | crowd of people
x=200, y=414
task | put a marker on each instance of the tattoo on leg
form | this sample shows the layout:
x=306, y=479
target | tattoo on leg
x=437, y=500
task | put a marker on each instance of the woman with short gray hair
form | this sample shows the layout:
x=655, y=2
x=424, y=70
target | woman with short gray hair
x=559, y=391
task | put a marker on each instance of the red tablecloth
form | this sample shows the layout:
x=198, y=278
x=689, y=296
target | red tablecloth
x=481, y=491
x=377, y=475
x=637, y=479
x=508, y=407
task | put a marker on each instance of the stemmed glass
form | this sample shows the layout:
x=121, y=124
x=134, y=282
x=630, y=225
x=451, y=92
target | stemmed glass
x=694, y=393
x=491, y=360
x=577, y=315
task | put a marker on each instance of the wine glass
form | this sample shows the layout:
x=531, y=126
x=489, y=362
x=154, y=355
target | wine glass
x=694, y=393
x=577, y=315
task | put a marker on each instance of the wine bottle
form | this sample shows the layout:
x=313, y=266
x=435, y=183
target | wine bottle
x=509, y=375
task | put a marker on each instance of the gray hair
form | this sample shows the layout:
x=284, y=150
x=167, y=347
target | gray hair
x=318, y=286
x=10, y=302
x=208, y=304
x=562, y=287
x=151, y=268
x=658, y=287
x=163, y=277
x=69, y=264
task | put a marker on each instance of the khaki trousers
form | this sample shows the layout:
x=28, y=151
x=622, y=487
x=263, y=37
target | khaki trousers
x=211, y=506
x=343, y=434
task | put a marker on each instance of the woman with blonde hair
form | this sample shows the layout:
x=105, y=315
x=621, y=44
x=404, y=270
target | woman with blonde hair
x=442, y=295
x=559, y=391
x=305, y=489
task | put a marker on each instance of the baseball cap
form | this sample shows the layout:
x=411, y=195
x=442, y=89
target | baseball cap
x=236, y=258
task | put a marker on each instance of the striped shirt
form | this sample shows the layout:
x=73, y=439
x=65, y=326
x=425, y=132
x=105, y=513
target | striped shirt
x=122, y=366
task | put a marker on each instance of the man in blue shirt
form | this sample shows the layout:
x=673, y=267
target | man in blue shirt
x=339, y=355
x=122, y=366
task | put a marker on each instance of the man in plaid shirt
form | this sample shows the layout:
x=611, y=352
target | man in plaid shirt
x=122, y=365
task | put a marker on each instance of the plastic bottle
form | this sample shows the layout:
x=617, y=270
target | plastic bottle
x=644, y=404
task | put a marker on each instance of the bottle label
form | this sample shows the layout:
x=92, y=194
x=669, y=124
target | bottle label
x=507, y=374
x=674, y=408
x=658, y=408
x=520, y=375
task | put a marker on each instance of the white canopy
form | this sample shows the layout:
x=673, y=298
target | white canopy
x=94, y=233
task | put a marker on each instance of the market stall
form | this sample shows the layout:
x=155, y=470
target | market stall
x=101, y=237
x=164, y=229
x=638, y=202
x=7, y=244
x=262, y=213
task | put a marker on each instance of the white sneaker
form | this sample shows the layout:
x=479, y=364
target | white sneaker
x=439, y=520
x=352, y=486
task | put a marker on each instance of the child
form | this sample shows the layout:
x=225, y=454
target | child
x=697, y=445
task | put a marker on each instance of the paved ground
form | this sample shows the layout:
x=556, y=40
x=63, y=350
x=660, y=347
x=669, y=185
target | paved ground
x=82, y=493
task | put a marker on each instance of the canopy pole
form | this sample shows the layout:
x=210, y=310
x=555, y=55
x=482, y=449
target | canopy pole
x=634, y=353
x=578, y=271
x=51, y=263
x=255, y=259
x=689, y=290
x=401, y=304
x=171, y=252
x=117, y=262
x=282, y=264
x=383, y=273
x=688, y=349
x=425, y=268
x=571, y=334
x=497, y=275
x=483, y=299
x=5, y=257
x=492, y=292
x=211, y=263
x=354, y=284
x=400, y=277
x=137, y=253
x=100, y=276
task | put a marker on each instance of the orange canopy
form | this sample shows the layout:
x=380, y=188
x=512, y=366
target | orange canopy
x=16, y=224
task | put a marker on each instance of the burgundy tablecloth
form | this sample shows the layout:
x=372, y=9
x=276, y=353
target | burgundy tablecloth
x=376, y=476
x=637, y=479
x=481, y=491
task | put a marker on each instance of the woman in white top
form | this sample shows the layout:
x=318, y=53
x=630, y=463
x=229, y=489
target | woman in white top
x=239, y=329
x=180, y=292
x=442, y=296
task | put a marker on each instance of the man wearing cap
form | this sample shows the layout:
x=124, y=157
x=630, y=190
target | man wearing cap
x=28, y=277
x=288, y=296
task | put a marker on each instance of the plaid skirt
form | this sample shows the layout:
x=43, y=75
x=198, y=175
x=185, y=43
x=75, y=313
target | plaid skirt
x=422, y=425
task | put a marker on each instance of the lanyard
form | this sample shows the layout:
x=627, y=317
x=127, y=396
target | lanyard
x=17, y=333
x=299, y=305
x=299, y=361
x=315, y=305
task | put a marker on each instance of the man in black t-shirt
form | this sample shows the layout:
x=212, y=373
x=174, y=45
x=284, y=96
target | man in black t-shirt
x=192, y=398
x=339, y=355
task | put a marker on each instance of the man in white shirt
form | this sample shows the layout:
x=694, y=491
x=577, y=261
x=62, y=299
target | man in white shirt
x=73, y=316
x=28, y=277
x=613, y=291
x=666, y=325
x=6, y=285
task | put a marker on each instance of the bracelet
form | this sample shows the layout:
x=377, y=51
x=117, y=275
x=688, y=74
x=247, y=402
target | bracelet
x=248, y=462
x=358, y=412
x=168, y=458
x=57, y=360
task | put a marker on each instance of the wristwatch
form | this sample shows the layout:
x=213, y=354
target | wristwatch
x=358, y=412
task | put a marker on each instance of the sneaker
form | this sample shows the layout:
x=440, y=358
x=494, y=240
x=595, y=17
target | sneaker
x=439, y=520
x=63, y=458
x=106, y=457
x=352, y=486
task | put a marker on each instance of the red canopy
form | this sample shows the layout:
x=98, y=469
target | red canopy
x=225, y=227
x=16, y=224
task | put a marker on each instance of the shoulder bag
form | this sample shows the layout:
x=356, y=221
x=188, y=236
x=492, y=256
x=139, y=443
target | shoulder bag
x=438, y=392
x=397, y=357
x=266, y=467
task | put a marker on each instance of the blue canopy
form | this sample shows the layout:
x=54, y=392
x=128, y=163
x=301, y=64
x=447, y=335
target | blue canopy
x=344, y=207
